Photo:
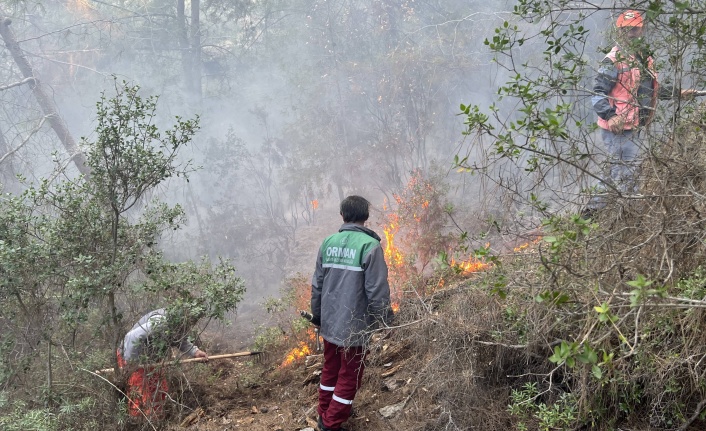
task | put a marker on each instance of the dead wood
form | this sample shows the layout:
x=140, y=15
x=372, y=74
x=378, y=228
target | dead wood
x=42, y=95
x=392, y=353
x=314, y=377
x=391, y=371
x=193, y=417
x=693, y=417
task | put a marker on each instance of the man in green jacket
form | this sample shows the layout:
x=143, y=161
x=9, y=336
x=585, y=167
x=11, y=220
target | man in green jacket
x=350, y=297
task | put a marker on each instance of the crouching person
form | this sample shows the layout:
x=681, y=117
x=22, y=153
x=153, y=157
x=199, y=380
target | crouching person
x=150, y=341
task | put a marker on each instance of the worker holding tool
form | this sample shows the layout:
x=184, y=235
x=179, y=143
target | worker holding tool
x=150, y=341
x=310, y=317
x=350, y=297
x=625, y=94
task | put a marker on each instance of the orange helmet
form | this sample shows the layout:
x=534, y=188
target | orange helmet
x=630, y=18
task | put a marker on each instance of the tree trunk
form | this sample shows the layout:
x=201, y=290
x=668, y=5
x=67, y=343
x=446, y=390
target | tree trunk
x=340, y=121
x=45, y=102
x=184, y=48
x=196, y=49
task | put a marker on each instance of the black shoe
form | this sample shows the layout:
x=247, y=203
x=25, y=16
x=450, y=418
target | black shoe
x=323, y=428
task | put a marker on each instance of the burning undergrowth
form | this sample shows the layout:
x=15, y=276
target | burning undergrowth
x=444, y=365
x=441, y=363
x=418, y=248
x=588, y=325
x=431, y=350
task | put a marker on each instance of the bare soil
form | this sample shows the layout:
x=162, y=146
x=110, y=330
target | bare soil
x=263, y=394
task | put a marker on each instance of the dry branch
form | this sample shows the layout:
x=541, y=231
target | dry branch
x=14, y=150
x=696, y=414
x=45, y=102
x=193, y=417
x=391, y=371
x=17, y=84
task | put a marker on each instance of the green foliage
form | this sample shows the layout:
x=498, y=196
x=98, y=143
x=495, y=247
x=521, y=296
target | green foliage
x=516, y=321
x=22, y=418
x=615, y=299
x=564, y=235
x=200, y=289
x=268, y=337
x=693, y=286
x=499, y=285
x=641, y=291
x=561, y=414
x=7, y=344
x=542, y=134
x=130, y=156
x=68, y=248
x=552, y=297
x=573, y=354
x=604, y=314
x=522, y=399
x=286, y=324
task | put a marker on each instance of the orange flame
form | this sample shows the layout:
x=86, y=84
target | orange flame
x=299, y=352
x=469, y=266
x=524, y=246
x=393, y=256
x=315, y=204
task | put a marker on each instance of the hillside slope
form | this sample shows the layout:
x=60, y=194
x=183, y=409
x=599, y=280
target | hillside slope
x=433, y=370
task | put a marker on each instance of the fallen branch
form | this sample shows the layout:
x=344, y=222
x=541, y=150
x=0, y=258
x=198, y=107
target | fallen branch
x=186, y=361
x=391, y=371
x=507, y=346
x=693, y=417
x=193, y=417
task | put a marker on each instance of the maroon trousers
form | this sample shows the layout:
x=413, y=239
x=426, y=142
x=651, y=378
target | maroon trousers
x=340, y=380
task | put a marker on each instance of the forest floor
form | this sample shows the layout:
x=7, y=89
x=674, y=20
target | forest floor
x=266, y=395
x=440, y=369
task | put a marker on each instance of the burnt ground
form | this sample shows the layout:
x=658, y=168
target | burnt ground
x=262, y=394
x=259, y=395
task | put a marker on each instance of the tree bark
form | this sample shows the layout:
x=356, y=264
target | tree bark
x=4, y=147
x=196, y=48
x=41, y=93
x=184, y=47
